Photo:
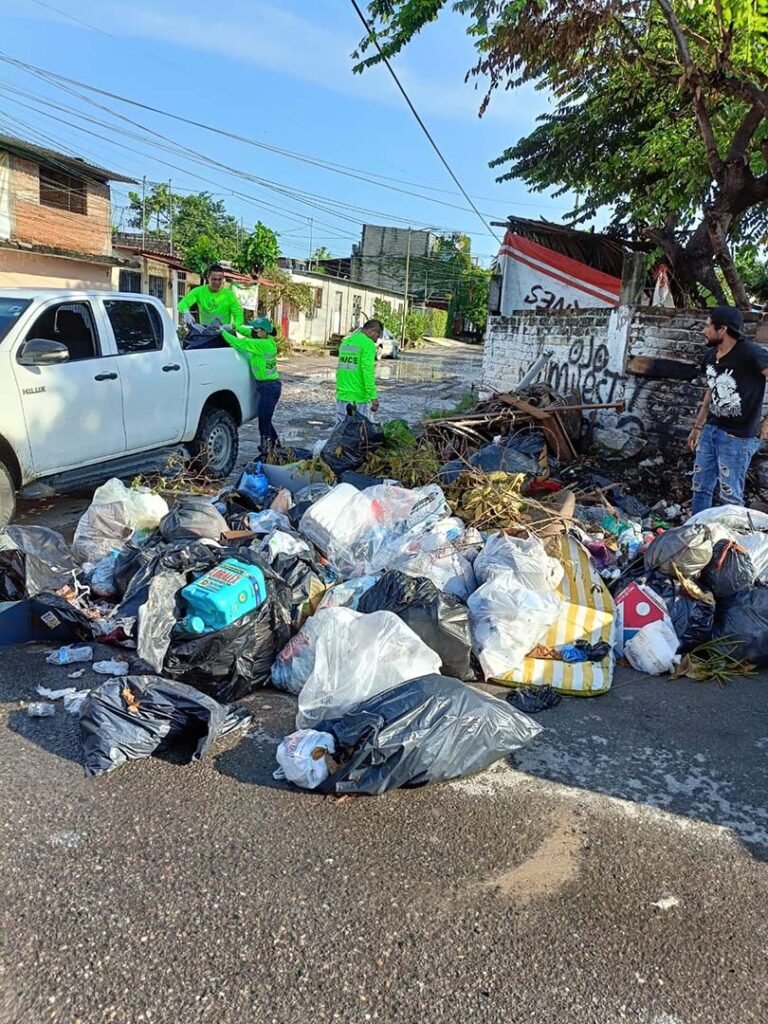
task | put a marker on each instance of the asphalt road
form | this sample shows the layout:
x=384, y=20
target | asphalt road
x=615, y=871
x=545, y=890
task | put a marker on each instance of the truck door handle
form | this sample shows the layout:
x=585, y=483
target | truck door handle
x=105, y=376
x=170, y=367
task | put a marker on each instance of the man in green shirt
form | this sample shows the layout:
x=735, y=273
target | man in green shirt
x=262, y=351
x=356, y=372
x=214, y=302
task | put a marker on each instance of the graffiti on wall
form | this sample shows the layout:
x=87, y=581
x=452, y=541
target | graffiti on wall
x=587, y=368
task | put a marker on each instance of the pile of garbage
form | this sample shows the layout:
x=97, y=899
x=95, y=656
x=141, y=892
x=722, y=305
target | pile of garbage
x=379, y=605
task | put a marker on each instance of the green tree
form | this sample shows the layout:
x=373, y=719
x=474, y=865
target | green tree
x=660, y=113
x=201, y=253
x=382, y=310
x=259, y=251
x=281, y=288
x=752, y=264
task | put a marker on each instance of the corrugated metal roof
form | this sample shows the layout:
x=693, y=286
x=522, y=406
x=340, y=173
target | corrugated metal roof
x=52, y=158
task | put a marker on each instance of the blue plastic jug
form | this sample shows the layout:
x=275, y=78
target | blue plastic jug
x=223, y=595
x=254, y=483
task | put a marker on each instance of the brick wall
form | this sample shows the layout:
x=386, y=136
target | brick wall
x=43, y=225
x=587, y=347
x=592, y=348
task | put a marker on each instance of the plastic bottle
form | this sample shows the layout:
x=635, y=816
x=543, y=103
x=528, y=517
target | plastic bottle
x=70, y=655
x=41, y=710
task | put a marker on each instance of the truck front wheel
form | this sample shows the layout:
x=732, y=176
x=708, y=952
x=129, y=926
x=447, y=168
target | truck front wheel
x=7, y=496
x=217, y=444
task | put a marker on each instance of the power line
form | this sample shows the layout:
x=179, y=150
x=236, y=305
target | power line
x=421, y=124
x=77, y=21
x=51, y=78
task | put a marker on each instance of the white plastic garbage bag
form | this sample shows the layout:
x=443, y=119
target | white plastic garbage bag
x=508, y=621
x=356, y=657
x=733, y=517
x=526, y=557
x=653, y=649
x=146, y=507
x=449, y=570
x=302, y=758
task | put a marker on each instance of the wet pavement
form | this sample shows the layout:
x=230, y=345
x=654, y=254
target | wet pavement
x=436, y=377
x=614, y=871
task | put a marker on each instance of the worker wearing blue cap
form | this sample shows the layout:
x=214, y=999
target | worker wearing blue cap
x=262, y=350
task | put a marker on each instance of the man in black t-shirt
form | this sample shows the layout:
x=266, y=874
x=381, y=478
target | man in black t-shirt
x=728, y=428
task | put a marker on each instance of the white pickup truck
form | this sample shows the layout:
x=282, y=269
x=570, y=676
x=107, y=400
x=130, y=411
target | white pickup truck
x=97, y=384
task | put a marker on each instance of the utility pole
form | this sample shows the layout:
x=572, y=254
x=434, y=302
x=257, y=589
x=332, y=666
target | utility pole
x=143, y=211
x=170, y=217
x=407, y=276
x=309, y=261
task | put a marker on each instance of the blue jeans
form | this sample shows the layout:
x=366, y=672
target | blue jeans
x=268, y=392
x=721, y=459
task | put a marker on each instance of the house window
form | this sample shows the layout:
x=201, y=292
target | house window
x=357, y=311
x=181, y=282
x=293, y=313
x=157, y=287
x=130, y=281
x=63, y=192
x=318, y=303
x=136, y=325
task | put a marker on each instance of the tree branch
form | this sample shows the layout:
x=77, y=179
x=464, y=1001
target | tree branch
x=741, y=139
x=692, y=78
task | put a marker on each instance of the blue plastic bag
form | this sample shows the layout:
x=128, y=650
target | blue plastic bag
x=254, y=483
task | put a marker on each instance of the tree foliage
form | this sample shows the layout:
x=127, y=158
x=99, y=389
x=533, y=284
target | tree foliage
x=281, y=288
x=202, y=230
x=660, y=113
x=259, y=251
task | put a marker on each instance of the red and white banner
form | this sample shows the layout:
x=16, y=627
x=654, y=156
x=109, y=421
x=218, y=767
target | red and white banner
x=534, y=277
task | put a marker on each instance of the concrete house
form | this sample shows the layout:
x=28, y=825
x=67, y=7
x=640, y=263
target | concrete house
x=55, y=222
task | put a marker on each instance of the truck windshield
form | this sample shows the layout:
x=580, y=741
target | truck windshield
x=10, y=311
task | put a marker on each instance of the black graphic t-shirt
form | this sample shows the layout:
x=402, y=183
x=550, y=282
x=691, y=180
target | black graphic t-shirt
x=738, y=387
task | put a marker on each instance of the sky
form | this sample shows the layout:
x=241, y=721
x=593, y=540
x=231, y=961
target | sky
x=277, y=73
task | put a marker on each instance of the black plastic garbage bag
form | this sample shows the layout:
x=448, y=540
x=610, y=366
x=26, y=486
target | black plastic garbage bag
x=54, y=618
x=730, y=571
x=182, y=557
x=137, y=716
x=308, y=581
x=33, y=559
x=234, y=661
x=533, y=699
x=744, y=618
x=495, y=458
x=351, y=442
x=530, y=442
x=359, y=480
x=204, y=336
x=157, y=618
x=440, y=620
x=193, y=518
x=430, y=729
x=451, y=471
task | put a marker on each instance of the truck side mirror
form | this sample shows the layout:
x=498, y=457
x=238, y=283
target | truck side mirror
x=43, y=352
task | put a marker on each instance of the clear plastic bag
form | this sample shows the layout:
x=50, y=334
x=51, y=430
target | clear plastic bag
x=757, y=546
x=296, y=661
x=357, y=656
x=732, y=517
x=116, y=512
x=508, y=621
x=347, y=594
x=526, y=557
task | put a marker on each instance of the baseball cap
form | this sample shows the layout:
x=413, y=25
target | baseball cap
x=728, y=316
x=262, y=323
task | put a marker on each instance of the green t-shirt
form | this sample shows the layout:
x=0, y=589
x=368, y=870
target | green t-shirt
x=262, y=352
x=222, y=304
x=355, y=375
